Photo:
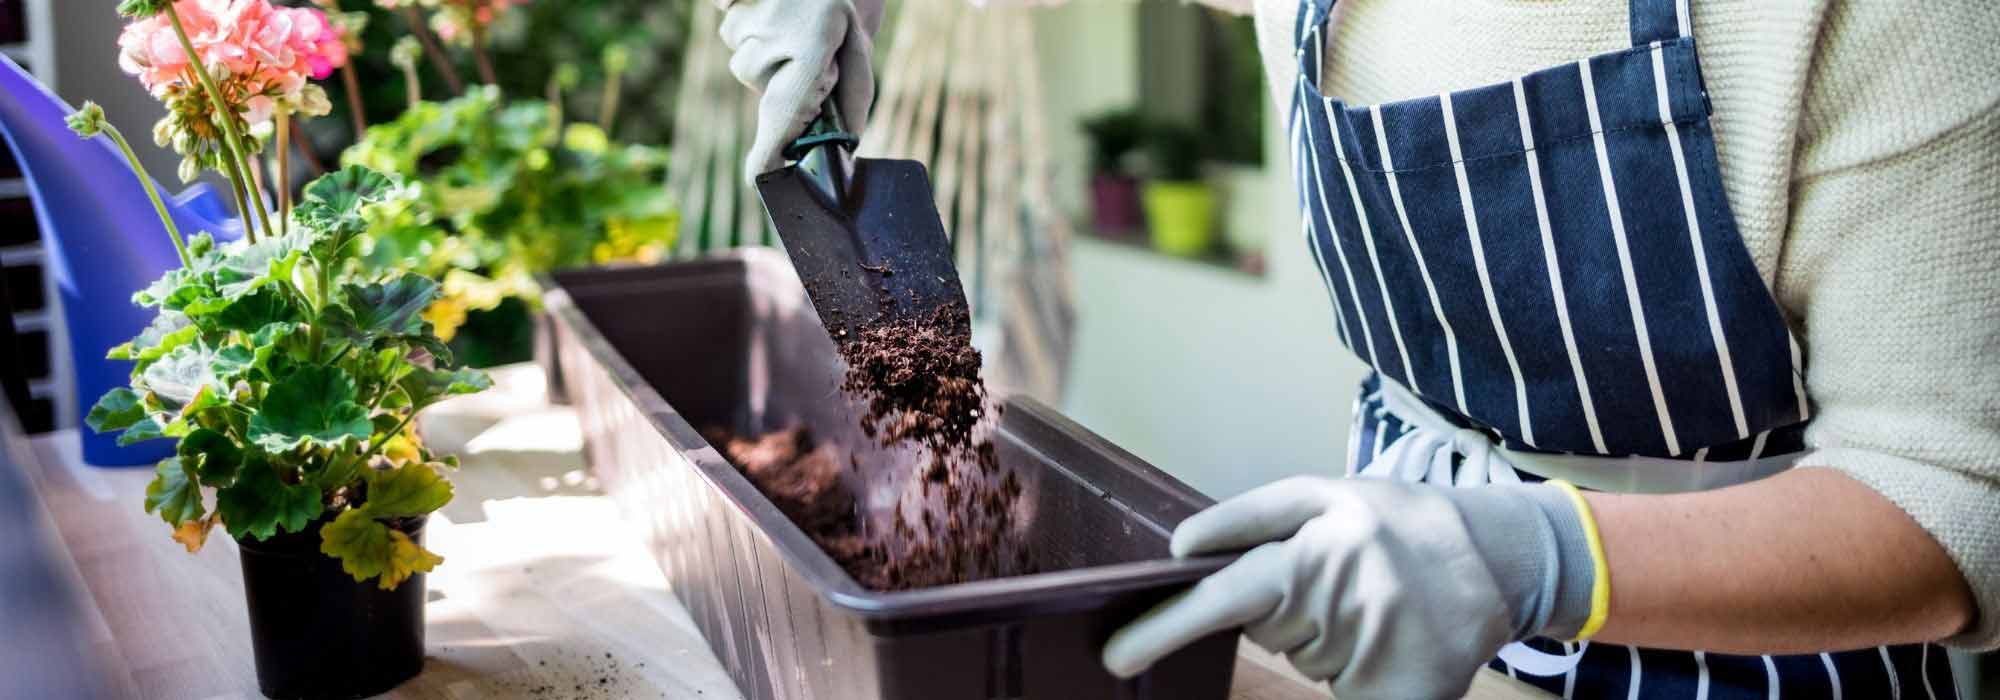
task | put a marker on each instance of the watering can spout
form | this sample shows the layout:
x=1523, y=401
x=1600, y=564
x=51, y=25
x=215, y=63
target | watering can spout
x=102, y=241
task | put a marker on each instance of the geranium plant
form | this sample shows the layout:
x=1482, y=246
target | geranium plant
x=286, y=368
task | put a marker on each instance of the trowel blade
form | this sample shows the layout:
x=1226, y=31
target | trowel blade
x=879, y=252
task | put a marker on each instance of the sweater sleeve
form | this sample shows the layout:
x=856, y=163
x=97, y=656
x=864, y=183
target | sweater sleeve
x=1891, y=270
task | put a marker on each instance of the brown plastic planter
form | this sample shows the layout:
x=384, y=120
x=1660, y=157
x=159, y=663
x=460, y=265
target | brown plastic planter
x=650, y=355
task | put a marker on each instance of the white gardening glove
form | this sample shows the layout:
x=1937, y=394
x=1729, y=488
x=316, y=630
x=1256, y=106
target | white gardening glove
x=1387, y=589
x=795, y=53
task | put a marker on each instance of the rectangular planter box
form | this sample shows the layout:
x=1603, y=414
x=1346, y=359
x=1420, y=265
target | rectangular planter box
x=651, y=355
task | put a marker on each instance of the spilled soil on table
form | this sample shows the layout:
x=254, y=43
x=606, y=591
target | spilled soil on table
x=919, y=383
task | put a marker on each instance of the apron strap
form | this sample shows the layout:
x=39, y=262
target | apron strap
x=1660, y=20
x=1309, y=37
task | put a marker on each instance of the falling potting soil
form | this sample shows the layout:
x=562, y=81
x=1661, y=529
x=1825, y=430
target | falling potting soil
x=919, y=385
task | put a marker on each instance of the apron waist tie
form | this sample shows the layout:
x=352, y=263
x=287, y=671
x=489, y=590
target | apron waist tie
x=1427, y=452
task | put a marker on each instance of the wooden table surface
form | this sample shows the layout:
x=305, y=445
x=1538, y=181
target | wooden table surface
x=543, y=594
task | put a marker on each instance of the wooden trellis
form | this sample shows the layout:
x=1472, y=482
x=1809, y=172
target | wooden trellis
x=960, y=91
x=712, y=130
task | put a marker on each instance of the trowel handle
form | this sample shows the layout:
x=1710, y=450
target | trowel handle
x=824, y=149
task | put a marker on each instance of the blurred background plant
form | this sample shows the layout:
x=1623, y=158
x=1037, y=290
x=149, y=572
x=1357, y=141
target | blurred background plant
x=511, y=121
x=528, y=44
x=505, y=191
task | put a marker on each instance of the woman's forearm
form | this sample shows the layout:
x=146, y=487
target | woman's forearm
x=1805, y=561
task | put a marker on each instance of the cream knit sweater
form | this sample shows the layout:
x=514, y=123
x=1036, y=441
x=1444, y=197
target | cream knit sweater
x=1860, y=146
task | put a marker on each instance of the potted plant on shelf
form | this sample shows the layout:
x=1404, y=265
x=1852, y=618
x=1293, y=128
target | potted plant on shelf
x=286, y=370
x=1180, y=205
x=1114, y=192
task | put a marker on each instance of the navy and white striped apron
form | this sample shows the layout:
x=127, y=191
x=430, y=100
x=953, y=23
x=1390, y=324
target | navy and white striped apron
x=1547, y=280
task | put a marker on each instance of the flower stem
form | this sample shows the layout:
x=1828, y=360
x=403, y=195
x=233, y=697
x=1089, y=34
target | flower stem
x=224, y=116
x=431, y=48
x=385, y=437
x=173, y=232
x=283, y=133
x=555, y=102
x=237, y=185
x=486, y=73
x=355, y=109
x=413, y=87
x=313, y=165
x=607, y=111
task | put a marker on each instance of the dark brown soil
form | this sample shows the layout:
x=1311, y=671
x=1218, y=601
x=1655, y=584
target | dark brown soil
x=803, y=478
x=919, y=382
x=920, y=379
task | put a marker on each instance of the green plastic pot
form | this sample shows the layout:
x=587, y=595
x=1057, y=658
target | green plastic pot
x=1181, y=216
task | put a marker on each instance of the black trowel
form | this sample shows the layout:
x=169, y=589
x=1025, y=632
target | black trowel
x=863, y=233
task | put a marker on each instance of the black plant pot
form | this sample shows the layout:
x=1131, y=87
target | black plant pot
x=320, y=635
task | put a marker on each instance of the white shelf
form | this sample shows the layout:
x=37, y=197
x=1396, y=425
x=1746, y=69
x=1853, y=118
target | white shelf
x=15, y=256
x=13, y=187
x=20, y=53
x=42, y=388
x=31, y=321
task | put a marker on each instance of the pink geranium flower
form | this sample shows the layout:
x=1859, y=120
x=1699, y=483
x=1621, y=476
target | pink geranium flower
x=318, y=41
x=261, y=55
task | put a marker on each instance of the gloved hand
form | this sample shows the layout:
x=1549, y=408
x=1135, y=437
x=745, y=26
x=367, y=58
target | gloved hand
x=795, y=53
x=1388, y=589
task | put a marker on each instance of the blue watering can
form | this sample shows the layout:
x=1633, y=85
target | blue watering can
x=103, y=239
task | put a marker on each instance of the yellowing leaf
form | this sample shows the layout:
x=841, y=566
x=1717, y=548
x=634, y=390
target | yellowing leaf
x=194, y=533
x=358, y=541
x=402, y=450
x=409, y=490
x=406, y=559
x=366, y=547
x=446, y=315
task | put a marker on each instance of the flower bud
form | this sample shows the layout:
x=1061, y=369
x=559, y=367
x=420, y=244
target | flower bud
x=87, y=122
x=617, y=58
x=405, y=53
x=313, y=103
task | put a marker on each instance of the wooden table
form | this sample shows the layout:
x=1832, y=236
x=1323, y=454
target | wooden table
x=544, y=593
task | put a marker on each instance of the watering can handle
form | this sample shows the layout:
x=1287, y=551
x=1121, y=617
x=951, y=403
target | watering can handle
x=824, y=150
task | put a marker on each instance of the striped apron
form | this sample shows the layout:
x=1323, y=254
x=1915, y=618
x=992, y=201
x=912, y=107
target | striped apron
x=1545, y=276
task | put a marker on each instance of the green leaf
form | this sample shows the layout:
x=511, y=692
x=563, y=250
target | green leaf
x=208, y=397
x=172, y=494
x=180, y=374
x=247, y=267
x=211, y=456
x=161, y=289
x=428, y=386
x=313, y=405
x=119, y=409
x=366, y=547
x=259, y=503
x=141, y=9
x=407, y=491
x=388, y=309
x=338, y=472
x=333, y=203
x=232, y=362
x=252, y=312
x=148, y=428
x=169, y=330
x=276, y=342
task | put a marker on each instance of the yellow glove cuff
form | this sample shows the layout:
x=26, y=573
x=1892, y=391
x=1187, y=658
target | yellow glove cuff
x=1600, y=587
